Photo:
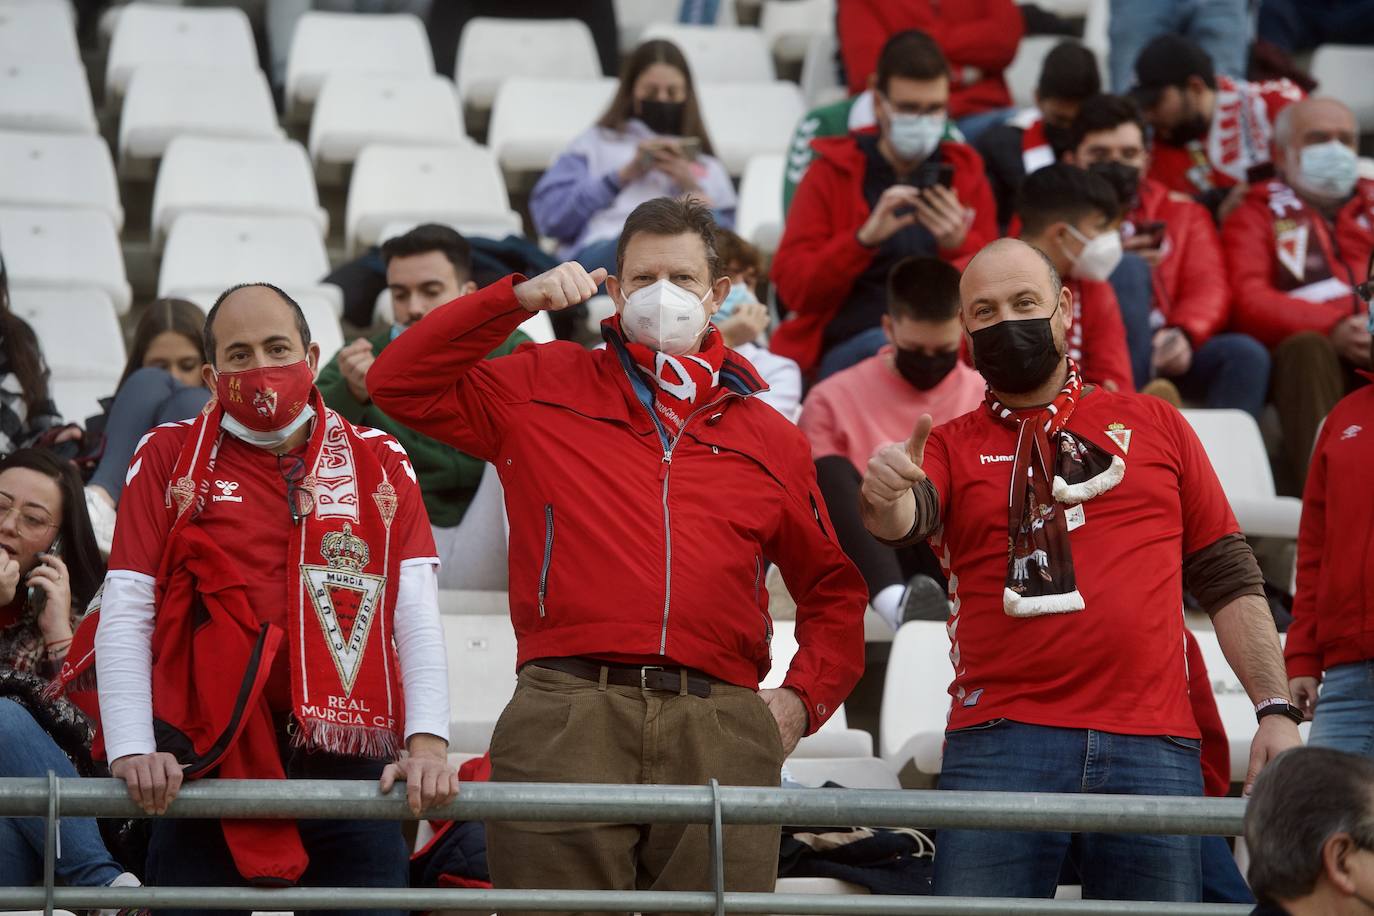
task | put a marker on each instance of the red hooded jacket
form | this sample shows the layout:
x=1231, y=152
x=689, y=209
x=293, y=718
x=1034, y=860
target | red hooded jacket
x=819, y=257
x=1291, y=270
x=1190, y=292
x=979, y=38
x=621, y=544
x=1097, y=337
x=1333, y=610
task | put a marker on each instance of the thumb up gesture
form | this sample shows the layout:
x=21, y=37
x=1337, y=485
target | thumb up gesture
x=886, y=500
x=566, y=285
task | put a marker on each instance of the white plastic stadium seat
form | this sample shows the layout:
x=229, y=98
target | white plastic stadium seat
x=789, y=25
x=41, y=93
x=492, y=51
x=377, y=45
x=481, y=676
x=1234, y=445
x=41, y=30
x=538, y=328
x=1343, y=72
x=759, y=217
x=916, y=697
x=1233, y=704
x=322, y=314
x=63, y=248
x=355, y=110
x=78, y=331
x=235, y=177
x=716, y=54
x=1023, y=74
x=220, y=38
x=533, y=120
x=79, y=398
x=750, y=119
x=59, y=170
x=835, y=738
x=451, y=185
x=820, y=76
x=208, y=251
x=164, y=101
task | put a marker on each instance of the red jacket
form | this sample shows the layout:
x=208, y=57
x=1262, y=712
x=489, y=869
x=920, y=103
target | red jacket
x=1097, y=336
x=819, y=257
x=619, y=544
x=1289, y=270
x=1333, y=610
x=976, y=35
x=1190, y=292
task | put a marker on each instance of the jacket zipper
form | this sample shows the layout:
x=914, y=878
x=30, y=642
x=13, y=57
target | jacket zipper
x=548, y=556
x=758, y=603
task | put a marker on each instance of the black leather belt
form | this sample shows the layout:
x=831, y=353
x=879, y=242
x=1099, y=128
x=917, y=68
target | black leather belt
x=645, y=677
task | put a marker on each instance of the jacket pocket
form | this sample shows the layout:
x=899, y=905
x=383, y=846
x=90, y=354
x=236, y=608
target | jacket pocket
x=758, y=603
x=548, y=556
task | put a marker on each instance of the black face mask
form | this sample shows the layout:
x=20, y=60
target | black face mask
x=1124, y=179
x=923, y=371
x=1059, y=137
x=1016, y=356
x=1193, y=127
x=662, y=117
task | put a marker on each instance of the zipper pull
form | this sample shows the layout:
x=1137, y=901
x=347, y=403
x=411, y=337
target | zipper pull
x=665, y=465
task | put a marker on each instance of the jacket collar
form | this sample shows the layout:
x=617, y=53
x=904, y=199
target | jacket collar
x=737, y=374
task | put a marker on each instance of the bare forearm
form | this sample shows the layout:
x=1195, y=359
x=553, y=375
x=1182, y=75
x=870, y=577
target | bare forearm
x=1245, y=630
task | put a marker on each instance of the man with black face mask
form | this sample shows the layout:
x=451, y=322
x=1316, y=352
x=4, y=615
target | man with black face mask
x=853, y=412
x=1063, y=511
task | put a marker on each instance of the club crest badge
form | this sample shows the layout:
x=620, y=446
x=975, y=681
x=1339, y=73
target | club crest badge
x=1292, y=250
x=386, y=500
x=345, y=599
x=265, y=403
x=182, y=492
x=1119, y=434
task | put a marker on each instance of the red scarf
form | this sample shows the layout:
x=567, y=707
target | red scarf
x=341, y=589
x=1040, y=577
x=681, y=383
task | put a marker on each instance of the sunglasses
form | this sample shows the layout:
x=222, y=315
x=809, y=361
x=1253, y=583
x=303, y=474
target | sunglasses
x=299, y=499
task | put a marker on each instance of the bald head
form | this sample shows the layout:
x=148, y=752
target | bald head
x=1006, y=262
x=256, y=318
x=1314, y=120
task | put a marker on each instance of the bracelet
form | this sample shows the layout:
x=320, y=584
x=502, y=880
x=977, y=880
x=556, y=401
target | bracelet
x=57, y=643
x=1270, y=701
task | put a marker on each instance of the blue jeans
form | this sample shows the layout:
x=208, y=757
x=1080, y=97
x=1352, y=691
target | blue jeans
x=26, y=750
x=846, y=353
x=149, y=397
x=1344, y=718
x=1301, y=25
x=1006, y=756
x=1229, y=370
x=973, y=125
x=1134, y=288
x=1221, y=27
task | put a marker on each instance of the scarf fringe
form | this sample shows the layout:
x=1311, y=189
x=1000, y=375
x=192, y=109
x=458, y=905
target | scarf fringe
x=346, y=740
x=1072, y=494
x=83, y=682
x=1015, y=605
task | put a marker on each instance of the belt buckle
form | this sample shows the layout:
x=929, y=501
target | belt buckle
x=644, y=675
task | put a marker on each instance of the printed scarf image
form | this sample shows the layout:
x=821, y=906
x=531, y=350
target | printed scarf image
x=681, y=383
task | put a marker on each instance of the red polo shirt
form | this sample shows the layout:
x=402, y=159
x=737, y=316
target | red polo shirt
x=1119, y=664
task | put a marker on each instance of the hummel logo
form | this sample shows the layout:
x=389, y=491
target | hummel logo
x=994, y=459
x=1352, y=431
x=226, y=494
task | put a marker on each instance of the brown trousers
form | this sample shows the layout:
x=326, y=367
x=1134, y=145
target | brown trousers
x=1307, y=380
x=560, y=728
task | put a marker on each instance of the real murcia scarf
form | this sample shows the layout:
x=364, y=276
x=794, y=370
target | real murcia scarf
x=1053, y=469
x=681, y=383
x=341, y=585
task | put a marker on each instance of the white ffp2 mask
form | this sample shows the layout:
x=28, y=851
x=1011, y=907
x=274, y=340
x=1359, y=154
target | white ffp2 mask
x=664, y=317
x=1099, y=255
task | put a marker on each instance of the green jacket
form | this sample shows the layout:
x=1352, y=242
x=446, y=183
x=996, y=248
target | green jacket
x=448, y=478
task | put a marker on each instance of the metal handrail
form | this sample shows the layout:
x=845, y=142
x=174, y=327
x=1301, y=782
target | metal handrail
x=712, y=805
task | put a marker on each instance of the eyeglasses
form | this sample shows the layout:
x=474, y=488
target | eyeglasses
x=299, y=499
x=30, y=524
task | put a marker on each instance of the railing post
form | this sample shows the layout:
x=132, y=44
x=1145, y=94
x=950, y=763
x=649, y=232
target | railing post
x=717, y=849
x=50, y=851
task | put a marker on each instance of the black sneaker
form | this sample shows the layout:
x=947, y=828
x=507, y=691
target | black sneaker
x=924, y=599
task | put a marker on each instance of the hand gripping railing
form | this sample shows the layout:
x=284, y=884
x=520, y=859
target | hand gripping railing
x=714, y=805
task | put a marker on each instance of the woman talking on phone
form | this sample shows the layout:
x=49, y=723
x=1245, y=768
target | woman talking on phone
x=49, y=570
x=650, y=143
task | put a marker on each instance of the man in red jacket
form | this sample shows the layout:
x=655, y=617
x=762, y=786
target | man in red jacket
x=870, y=199
x=1069, y=215
x=979, y=37
x=1176, y=237
x=648, y=489
x=1331, y=640
x=1295, y=251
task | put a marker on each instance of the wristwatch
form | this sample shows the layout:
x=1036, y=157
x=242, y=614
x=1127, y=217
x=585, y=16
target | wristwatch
x=1278, y=706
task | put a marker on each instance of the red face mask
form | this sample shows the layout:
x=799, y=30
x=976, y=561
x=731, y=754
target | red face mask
x=268, y=398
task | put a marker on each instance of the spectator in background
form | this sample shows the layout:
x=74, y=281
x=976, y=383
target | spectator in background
x=162, y=383
x=977, y=37
x=1331, y=639
x=27, y=412
x=49, y=570
x=1036, y=137
x=1301, y=25
x=1296, y=248
x=1309, y=829
x=743, y=321
x=426, y=267
x=1176, y=237
x=871, y=199
x=1069, y=215
x=850, y=415
x=651, y=142
x=1219, y=28
x=1213, y=134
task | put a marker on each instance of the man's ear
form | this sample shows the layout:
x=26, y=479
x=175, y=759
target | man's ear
x=887, y=329
x=468, y=288
x=719, y=290
x=207, y=375
x=616, y=293
x=1065, y=314
x=312, y=357
x=1336, y=853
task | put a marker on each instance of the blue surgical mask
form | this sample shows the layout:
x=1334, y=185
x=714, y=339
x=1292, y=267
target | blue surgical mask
x=397, y=330
x=739, y=294
x=915, y=136
x=1327, y=170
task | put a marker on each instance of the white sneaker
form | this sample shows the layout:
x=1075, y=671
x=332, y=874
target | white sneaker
x=102, y=515
x=126, y=879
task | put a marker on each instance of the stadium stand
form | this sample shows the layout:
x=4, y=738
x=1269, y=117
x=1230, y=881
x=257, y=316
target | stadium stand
x=759, y=216
x=56, y=170
x=390, y=45
x=38, y=92
x=789, y=26
x=40, y=30
x=533, y=119
x=62, y=248
x=357, y=109
x=1234, y=445
x=217, y=37
x=1342, y=71
x=747, y=119
x=719, y=54
x=492, y=51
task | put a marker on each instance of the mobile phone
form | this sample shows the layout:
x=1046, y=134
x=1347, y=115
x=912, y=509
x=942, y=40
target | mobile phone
x=36, y=596
x=1153, y=230
x=690, y=146
x=932, y=173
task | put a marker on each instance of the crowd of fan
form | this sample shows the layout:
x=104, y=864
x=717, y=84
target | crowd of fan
x=1216, y=234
